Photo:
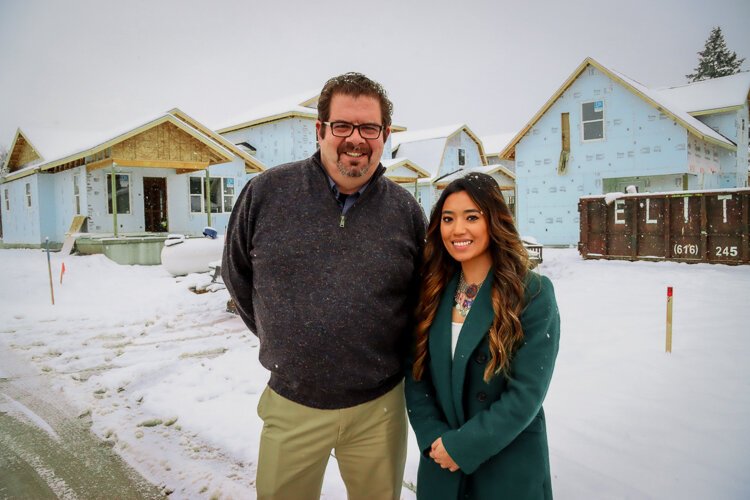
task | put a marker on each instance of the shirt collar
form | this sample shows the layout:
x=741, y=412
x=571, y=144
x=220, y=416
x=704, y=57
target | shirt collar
x=335, y=188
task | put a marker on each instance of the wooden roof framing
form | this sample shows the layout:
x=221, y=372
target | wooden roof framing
x=173, y=140
x=21, y=152
x=252, y=164
x=217, y=153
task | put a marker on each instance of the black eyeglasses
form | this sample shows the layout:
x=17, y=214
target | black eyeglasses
x=346, y=129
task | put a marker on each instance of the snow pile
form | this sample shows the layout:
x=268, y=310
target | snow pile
x=172, y=381
x=610, y=197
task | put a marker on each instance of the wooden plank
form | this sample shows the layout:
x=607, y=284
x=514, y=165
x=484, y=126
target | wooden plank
x=77, y=224
x=182, y=165
x=70, y=236
x=107, y=162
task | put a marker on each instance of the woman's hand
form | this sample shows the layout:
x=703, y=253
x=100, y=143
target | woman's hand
x=441, y=457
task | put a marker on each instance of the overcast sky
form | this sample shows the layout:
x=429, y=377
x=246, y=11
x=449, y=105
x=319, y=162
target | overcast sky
x=87, y=64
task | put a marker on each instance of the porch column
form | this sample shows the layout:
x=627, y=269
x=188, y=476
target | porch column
x=114, y=199
x=208, y=196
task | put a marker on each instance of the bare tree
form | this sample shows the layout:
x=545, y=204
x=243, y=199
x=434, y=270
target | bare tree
x=3, y=155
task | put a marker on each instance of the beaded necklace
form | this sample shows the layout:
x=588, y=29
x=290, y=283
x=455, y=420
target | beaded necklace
x=465, y=295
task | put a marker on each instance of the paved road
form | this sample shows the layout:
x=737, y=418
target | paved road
x=47, y=451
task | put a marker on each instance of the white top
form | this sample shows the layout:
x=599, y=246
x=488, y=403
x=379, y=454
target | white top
x=455, y=331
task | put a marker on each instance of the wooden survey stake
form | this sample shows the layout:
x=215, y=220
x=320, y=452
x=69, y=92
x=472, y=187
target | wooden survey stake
x=669, y=319
x=49, y=270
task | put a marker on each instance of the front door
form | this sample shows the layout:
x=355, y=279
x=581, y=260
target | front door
x=155, y=204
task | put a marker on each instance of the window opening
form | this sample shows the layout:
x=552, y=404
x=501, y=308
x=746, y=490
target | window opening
x=592, y=120
x=221, y=192
x=77, y=193
x=122, y=189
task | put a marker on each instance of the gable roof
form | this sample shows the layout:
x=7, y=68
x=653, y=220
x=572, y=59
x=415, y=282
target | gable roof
x=394, y=166
x=21, y=152
x=652, y=97
x=427, y=146
x=252, y=164
x=488, y=169
x=303, y=105
x=710, y=96
x=70, y=148
x=442, y=132
x=491, y=169
x=681, y=116
x=495, y=143
x=428, y=153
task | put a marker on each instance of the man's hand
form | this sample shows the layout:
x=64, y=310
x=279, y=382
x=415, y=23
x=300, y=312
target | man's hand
x=441, y=457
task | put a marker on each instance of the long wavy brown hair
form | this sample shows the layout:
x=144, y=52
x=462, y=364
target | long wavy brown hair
x=510, y=264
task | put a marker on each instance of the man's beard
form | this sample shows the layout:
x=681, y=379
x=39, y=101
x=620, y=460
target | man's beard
x=358, y=171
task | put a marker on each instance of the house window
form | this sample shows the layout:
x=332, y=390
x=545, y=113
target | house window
x=196, y=194
x=122, y=188
x=461, y=157
x=28, y=195
x=221, y=194
x=228, y=193
x=592, y=120
x=7, y=201
x=77, y=193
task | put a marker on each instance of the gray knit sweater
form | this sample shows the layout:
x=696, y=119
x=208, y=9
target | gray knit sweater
x=330, y=299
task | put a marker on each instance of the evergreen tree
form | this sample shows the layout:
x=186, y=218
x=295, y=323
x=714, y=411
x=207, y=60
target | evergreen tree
x=715, y=59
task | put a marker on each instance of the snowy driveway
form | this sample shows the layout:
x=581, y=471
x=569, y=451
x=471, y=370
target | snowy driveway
x=46, y=449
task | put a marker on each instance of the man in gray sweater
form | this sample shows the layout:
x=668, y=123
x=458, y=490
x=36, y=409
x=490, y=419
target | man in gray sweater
x=322, y=259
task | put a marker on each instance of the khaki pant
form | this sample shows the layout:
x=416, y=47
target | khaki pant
x=369, y=442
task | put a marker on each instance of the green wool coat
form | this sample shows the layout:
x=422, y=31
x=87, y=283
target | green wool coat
x=494, y=431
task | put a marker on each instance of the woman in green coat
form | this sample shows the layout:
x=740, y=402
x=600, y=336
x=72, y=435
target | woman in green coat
x=486, y=342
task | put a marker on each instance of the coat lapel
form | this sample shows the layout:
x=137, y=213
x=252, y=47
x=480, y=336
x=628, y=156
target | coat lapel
x=476, y=326
x=440, y=352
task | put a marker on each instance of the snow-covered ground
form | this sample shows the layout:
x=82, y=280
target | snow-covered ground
x=172, y=380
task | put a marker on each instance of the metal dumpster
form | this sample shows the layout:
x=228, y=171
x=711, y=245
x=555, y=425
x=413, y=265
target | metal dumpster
x=684, y=226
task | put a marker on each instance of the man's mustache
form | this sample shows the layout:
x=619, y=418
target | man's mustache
x=348, y=147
